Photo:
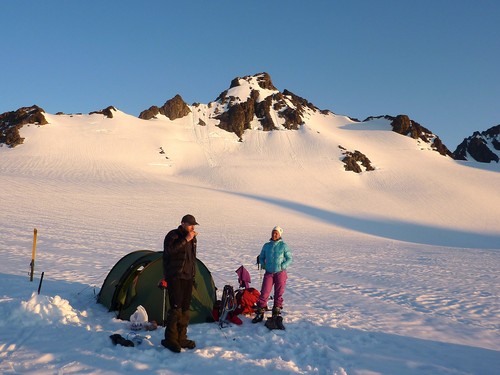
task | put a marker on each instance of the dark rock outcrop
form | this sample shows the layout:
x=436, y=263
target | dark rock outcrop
x=11, y=122
x=264, y=80
x=403, y=125
x=173, y=109
x=352, y=161
x=483, y=147
x=150, y=113
x=237, y=118
x=108, y=112
x=241, y=111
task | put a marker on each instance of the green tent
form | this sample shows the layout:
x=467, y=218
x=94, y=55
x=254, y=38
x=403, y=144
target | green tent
x=133, y=281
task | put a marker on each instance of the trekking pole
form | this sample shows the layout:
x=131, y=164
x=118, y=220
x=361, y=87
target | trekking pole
x=163, y=312
x=33, y=254
x=259, y=268
x=162, y=284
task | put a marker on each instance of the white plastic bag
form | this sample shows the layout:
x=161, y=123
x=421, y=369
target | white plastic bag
x=139, y=319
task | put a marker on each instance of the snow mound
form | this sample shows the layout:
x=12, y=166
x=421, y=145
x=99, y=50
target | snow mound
x=47, y=309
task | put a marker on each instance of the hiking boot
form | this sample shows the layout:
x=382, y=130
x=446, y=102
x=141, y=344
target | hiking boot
x=187, y=344
x=182, y=326
x=171, y=345
x=259, y=315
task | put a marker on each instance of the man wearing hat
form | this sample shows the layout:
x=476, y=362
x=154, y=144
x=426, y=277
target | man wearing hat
x=179, y=262
x=274, y=257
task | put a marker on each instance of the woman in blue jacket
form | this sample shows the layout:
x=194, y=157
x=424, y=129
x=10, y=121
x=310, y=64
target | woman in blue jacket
x=275, y=257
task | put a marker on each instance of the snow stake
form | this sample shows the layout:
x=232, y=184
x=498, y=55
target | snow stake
x=40, y=285
x=33, y=254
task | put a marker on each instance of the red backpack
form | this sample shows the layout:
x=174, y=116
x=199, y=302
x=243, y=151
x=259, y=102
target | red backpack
x=246, y=301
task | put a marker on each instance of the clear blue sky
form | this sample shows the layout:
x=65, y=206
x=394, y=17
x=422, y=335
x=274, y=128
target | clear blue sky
x=437, y=61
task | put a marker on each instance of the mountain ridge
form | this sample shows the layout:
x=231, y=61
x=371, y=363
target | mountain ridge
x=402, y=182
x=253, y=102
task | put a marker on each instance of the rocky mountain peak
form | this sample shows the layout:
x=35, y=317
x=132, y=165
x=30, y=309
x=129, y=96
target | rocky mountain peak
x=242, y=88
x=483, y=146
x=250, y=101
x=263, y=80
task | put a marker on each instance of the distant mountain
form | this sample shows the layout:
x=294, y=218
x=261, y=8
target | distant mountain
x=253, y=102
x=480, y=146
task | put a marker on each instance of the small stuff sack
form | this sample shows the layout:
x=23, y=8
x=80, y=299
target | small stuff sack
x=139, y=319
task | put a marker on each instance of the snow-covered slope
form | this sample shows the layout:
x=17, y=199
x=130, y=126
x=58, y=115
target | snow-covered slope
x=395, y=270
x=411, y=187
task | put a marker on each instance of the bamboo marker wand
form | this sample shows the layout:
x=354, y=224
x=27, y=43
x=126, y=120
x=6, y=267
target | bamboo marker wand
x=33, y=254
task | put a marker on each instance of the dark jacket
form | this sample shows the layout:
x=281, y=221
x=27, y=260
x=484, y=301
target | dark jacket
x=179, y=255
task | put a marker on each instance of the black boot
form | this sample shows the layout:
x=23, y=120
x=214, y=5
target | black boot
x=171, y=331
x=184, y=342
x=259, y=315
x=276, y=311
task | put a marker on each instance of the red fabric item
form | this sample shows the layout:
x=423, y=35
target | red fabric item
x=216, y=310
x=246, y=300
x=233, y=318
x=215, y=314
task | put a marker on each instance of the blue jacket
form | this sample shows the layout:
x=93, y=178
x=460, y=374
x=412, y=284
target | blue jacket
x=275, y=256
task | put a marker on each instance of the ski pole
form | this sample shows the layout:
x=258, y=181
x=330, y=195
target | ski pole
x=33, y=254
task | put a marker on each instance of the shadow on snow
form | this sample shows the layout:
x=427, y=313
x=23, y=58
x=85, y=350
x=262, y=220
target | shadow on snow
x=391, y=229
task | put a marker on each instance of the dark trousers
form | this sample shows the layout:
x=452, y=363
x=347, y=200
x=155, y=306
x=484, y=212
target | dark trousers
x=179, y=297
x=179, y=293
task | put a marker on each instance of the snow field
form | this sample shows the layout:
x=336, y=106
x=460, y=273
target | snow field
x=395, y=271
